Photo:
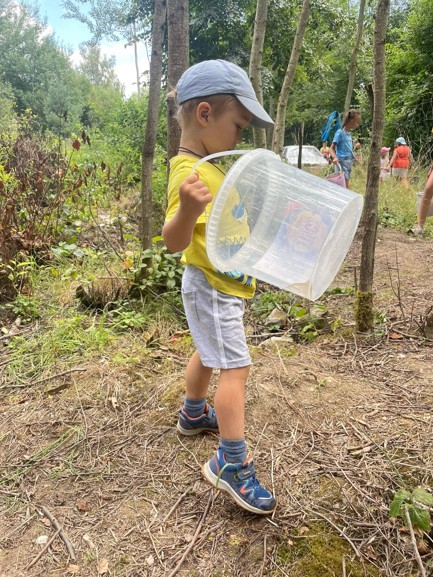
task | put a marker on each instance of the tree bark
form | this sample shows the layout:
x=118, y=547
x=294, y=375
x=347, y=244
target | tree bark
x=256, y=56
x=278, y=140
x=155, y=74
x=178, y=61
x=354, y=59
x=364, y=314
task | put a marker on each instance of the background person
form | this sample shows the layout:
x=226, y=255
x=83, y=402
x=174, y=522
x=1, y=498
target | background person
x=401, y=160
x=324, y=151
x=342, y=146
x=384, y=162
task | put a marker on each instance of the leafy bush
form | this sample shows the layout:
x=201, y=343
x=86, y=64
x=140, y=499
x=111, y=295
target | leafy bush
x=156, y=269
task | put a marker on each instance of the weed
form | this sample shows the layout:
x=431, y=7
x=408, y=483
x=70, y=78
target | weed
x=417, y=504
x=156, y=269
x=27, y=308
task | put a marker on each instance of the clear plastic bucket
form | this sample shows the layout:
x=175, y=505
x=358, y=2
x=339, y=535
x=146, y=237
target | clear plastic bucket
x=300, y=226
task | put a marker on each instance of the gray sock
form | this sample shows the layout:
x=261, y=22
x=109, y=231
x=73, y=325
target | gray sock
x=194, y=407
x=234, y=451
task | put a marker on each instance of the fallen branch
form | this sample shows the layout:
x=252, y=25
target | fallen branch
x=57, y=375
x=196, y=534
x=169, y=514
x=61, y=532
x=39, y=555
x=414, y=545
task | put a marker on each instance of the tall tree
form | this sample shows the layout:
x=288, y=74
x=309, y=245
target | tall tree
x=256, y=57
x=364, y=299
x=178, y=61
x=128, y=20
x=155, y=75
x=280, y=123
x=354, y=58
x=97, y=68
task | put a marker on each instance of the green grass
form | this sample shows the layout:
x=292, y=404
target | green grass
x=396, y=203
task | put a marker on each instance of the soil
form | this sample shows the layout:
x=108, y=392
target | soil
x=91, y=461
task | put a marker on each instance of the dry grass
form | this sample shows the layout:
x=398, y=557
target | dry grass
x=336, y=427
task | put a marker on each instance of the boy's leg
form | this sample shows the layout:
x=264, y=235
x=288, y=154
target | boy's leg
x=230, y=402
x=197, y=378
x=196, y=416
x=229, y=469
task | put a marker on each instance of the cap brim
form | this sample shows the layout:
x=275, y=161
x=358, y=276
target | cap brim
x=261, y=118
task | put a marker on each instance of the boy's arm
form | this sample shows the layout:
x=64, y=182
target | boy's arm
x=194, y=195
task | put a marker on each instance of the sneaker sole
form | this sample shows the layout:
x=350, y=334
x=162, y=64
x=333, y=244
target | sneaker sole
x=210, y=476
x=192, y=432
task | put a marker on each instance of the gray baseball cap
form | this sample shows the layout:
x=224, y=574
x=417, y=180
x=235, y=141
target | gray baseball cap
x=221, y=77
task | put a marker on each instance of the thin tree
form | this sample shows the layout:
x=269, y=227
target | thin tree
x=255, y=70
x=364, y=299
x=155, y=74
x=178, y=61
x=278, y=140
x=354, y=58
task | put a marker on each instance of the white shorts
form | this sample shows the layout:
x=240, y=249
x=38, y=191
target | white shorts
x=215, y=320
x=400, y=172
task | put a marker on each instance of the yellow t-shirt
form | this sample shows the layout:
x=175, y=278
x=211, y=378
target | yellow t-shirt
x=233, y=283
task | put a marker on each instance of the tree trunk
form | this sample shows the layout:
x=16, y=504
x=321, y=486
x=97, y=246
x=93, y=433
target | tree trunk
x=178, y=61
x=155, y=74
x=364, y=314
x=278, y=140
x=354, y=59
x=301, y=144
x=256, y=56
x=137, y=70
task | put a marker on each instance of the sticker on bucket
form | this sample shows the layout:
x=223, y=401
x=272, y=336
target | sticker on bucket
x=300, y=226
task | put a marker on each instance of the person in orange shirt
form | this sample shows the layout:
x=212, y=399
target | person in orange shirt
x=401, y=160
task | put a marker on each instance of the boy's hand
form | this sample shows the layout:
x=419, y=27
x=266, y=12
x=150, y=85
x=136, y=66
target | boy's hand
x=194, y=195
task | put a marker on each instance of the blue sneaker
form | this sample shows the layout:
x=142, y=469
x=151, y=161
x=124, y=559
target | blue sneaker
x=206, y=423
x=239, y=480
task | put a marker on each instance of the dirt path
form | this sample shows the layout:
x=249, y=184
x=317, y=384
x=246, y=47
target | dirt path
x=336, y=427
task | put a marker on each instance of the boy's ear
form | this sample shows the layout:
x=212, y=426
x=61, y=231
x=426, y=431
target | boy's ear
x=202, y=113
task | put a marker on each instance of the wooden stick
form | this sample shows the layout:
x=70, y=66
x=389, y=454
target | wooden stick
x=50, y=378
x=47, y=544
x=62, y=534
x=169, y=514
x=414, y=545
x=196, y=534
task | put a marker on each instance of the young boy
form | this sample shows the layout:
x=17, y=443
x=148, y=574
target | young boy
x=216, y=102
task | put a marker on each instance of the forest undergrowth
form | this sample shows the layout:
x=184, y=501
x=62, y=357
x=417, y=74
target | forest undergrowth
x=95, y=479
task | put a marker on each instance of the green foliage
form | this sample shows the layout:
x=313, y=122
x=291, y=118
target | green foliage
x=308, y=320
x=64, y=249
x=410, y=78
x=27, y=308
x=156, y=269
x=123, y=319
x=39, y=74
x=413, y=501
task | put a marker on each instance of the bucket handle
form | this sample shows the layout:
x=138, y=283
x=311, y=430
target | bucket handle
x=217, y=155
